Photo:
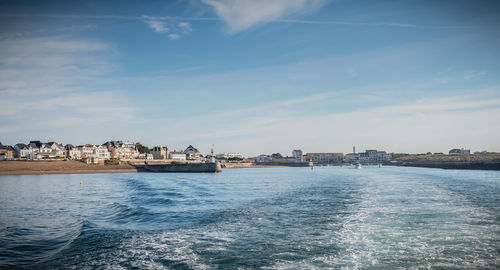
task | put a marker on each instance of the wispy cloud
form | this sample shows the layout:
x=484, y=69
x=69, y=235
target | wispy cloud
x=240, y=15
x=174, y=36
x=173, y=29
x=388, y=127
x=58, y=83
x=186, y=28
x=158, y=26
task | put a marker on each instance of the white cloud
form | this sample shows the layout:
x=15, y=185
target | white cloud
x=185, y=27
x=174, y=36
x=168, y=26
x=158, y=26
x=240, y=15
x=392, y=127
x=55, y=87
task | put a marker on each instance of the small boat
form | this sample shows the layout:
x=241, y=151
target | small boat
x=357, y=164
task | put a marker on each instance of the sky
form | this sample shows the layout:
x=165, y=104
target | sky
x=253, y=77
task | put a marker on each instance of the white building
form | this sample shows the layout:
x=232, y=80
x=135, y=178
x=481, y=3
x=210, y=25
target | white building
x=297, y=154
x=101, y=152
x=192, y=153
x=145, y=156
x=23, y=151
x=461, y=151
x=229, y=156
x=38, y=150
x=369, y=156
x=351, y=157
x=175, y=155
x=87, y=150
x=122, y=150
x=324, y=157
x=73, y=152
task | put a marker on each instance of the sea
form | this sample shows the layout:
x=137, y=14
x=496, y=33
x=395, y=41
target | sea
x=253, y=218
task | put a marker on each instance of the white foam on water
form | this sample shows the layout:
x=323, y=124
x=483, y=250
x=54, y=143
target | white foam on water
x=415, y=225
x=177, y=247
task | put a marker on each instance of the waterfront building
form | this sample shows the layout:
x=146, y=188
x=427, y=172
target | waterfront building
x=177, y=155
x=297, y=154
x=22, y=151
x=263, y=158
x=121, y=150
x=145, y=156
x=160, y=153
x=351, y=157
x=284, y=160
x=324, y=157
x=56, y=148
x=101, y=152
x=383, y=156
x=39, y=150
x=7, y=152
x=461, y=151
x=369, y=156
x=229, y=156
x=87, y=150
x=192, y=153
x=73, y=152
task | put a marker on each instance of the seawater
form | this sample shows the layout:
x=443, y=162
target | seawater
x=265, y=218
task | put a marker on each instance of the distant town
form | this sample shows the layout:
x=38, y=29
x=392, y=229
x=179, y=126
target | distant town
x=129, y=151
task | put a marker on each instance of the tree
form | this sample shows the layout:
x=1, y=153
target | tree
x=276, y=155
x=141, y=148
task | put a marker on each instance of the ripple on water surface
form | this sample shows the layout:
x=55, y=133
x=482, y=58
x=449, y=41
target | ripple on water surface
x=253, y=218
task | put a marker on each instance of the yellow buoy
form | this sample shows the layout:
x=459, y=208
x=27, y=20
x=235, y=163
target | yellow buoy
x=131, y=178
x=202, y=174
x=80, y=182
x=177, y=176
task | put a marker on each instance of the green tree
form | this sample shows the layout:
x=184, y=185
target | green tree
x=142, y=148
x=276, y=155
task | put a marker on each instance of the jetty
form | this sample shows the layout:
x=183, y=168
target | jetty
x=181, y=167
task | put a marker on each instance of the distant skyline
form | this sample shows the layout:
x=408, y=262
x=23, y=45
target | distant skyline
x=253, y=77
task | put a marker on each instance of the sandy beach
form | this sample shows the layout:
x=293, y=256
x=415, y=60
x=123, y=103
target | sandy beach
x=60, y=167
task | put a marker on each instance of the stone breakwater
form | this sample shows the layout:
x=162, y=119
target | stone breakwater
x=77, y=167
x=180, y=167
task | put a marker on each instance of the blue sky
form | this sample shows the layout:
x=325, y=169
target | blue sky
x=253, y=76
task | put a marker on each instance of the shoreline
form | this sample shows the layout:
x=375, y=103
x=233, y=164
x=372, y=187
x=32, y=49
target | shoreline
x=60, y=167
x=77, y=167
x=450, y=166
x=457, y=162
x=68, y=172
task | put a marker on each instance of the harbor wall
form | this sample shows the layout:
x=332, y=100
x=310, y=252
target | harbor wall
x=181, y=167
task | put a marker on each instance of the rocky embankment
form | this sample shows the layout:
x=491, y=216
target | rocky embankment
x=471, y=162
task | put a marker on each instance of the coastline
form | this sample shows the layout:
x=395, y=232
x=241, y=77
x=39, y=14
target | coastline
x=60, y=167
x=459, y=162
x=36, y=167
x=77, y=167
